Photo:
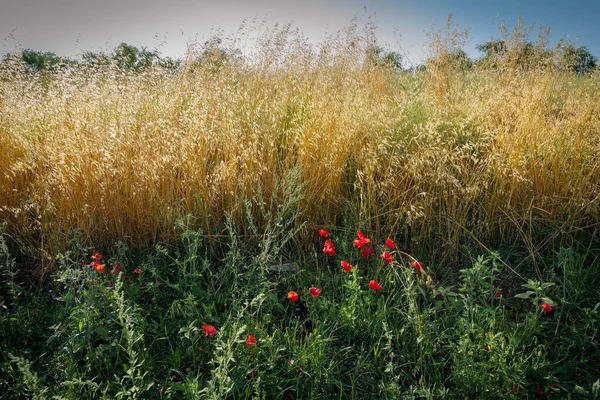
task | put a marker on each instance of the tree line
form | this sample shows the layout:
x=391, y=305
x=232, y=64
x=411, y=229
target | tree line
x=495, y=54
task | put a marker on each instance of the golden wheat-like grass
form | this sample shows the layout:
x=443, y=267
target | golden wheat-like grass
x=122, y=155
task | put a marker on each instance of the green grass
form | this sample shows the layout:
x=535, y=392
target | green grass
x=85, y=334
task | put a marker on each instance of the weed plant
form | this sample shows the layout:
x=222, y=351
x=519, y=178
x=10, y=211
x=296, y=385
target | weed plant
x=345, y=324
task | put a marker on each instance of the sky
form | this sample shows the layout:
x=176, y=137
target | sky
x=69, y=27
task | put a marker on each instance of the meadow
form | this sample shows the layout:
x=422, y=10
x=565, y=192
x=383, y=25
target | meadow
x=202, y=231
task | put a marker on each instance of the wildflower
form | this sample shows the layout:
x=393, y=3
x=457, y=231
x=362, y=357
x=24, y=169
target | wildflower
x=328, y=248
x=345, y=266
x=323, y=233
x=555, y=385
x=366, y=252
x=498, y=294
x=209, y=330
x=516, y=387
x=196, y=305
x=115, y=269
x=386, y=256
x=97, y=256
x=251, y=340
x=315, y=292
x=361, y=241
x=374, y=285
x=252, y=374
x=390, y=244
x=538, y=391
x=137, y=271
x=546, y=307
x=98, y=267
x=293, y=296
x=416, y=265
x=124, y=277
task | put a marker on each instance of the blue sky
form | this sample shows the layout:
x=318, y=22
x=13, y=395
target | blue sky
x=68, y=27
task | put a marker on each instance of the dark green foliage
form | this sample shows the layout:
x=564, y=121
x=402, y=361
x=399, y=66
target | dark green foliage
x=576, y=59
x=38, y=61
x=88, y=335
x=521, y=55
x=379, y=56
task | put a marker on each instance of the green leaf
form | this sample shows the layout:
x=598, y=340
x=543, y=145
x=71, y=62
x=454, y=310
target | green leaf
x=596, y=390
x=525, y=295
x=531, y=284
x=102, y=331
x=549, y=301
x=581, y=391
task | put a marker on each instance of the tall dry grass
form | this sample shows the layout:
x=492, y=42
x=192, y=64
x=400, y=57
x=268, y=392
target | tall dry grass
x=427, y=157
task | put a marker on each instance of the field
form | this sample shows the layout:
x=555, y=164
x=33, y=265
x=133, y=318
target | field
x=157, y=225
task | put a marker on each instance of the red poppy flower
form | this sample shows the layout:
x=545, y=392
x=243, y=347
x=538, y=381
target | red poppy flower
x=386, y=256
x=252, y=374
x=345, y=266
x=323, y=233
x=315, y=292
x=293, y=296
x=98, y=267
x=251, y=340
x=538, y=391
x=498, y=294
x=124, y=277
x=416, y=265
x=546, y=307
x=390, y=244
x=328, y=248
x=118, y=267
x=137, y=271
x=374, y=285
x=366, y=252
x=209, y=330
x=361, y=241
x=97, y=256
